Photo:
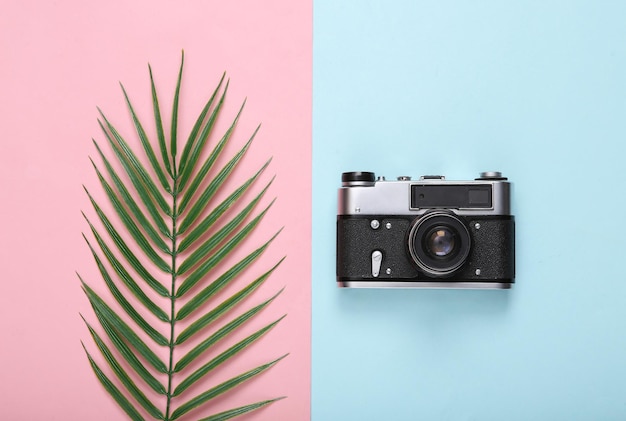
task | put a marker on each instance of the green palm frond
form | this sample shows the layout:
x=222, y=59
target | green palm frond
x=163, y=252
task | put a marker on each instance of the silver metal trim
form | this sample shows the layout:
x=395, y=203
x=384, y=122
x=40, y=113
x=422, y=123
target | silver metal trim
x=430, y=285
x=358, y=183
x=394, y=198
x=377, y=259
x=491, y=174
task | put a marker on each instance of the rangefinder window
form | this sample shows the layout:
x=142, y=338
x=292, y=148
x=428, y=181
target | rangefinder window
x=450, y=196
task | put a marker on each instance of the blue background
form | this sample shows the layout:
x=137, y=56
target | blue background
x=535, y=89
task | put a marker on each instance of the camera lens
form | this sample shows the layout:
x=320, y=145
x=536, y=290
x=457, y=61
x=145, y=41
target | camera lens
x=439, y=243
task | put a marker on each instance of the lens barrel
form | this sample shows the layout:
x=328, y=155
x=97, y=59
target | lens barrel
x=439, y=243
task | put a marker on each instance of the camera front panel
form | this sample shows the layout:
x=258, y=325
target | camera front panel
x=380, y=251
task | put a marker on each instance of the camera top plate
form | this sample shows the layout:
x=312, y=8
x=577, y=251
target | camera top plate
x=364, y=194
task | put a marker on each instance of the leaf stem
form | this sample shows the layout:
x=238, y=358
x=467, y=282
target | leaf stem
x=170, y=370
x=174, y=249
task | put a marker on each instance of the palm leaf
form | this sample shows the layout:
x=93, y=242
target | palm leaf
x=161, y=206
x=114, y=391
x=221, y=388
x=220, y=334
x=159, y=124
x=196, y=142
x=124, y=276
x=208, y=164
x=127, y=198
x=146, y=144
x=232, y=413
x=130, y=357
x=133, y=164
x=126, y=305
x=123, y=376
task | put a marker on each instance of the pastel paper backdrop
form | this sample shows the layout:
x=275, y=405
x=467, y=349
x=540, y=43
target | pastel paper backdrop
x=533, y=89
x=536, y=90
x=62, y=59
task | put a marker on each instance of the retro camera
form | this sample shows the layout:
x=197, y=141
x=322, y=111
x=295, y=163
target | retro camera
x=431, y=233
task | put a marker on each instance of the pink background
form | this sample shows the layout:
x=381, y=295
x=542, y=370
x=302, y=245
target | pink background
x=62, y=59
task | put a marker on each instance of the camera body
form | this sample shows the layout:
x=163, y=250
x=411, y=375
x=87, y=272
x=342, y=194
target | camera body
x=430, y=233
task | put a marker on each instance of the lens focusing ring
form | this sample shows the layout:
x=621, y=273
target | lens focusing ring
x=439, y=243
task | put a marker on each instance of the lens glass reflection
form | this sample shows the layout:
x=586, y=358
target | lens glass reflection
x=440, y=242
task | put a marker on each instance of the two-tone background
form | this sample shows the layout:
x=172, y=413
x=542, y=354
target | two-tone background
x=534, y=89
